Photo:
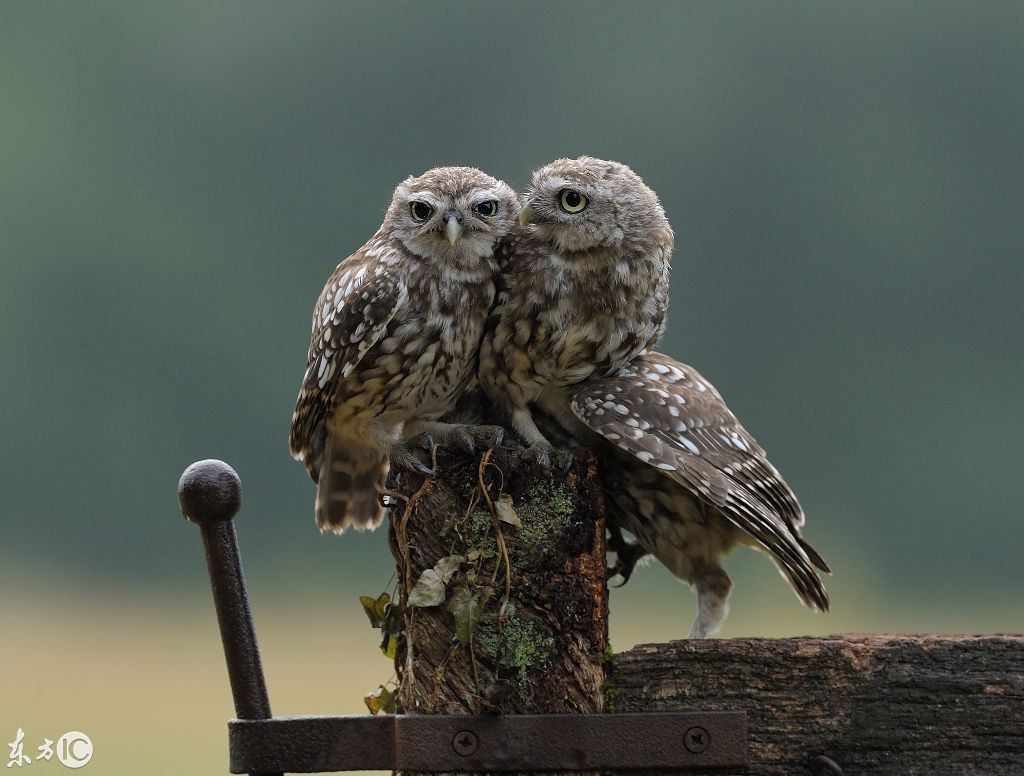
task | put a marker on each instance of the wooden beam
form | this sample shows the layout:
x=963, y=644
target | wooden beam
x=905, y=704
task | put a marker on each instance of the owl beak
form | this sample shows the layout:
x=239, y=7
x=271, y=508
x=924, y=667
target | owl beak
x=527, y=216
x=453, y=226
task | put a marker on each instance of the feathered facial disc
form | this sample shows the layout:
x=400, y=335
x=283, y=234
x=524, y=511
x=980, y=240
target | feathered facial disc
x=586, y=203
x=452, y=214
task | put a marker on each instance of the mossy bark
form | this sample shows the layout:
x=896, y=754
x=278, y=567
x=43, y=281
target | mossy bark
x=539, y=642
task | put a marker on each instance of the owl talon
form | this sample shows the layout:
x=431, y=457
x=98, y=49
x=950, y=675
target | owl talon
x=625, y=563
x=469, y=437
x=627, y=554
x=403, y=456
x=422, y=468
x=549, y=460
x=464, y=440
x=562, y=460
x=541, y=457
x=487, y=436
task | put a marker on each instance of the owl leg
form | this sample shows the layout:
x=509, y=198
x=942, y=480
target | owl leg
x=713, y=586
x=526, y=429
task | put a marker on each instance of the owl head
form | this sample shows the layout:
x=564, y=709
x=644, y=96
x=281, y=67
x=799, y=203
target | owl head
x=452, y=215
x=586, y=203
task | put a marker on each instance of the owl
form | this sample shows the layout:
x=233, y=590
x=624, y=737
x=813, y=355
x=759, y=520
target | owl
x=396, y=332
x=689, y=482
x=583, y=290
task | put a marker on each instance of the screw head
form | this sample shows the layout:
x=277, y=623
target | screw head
x=696, y=740
x=465, y=743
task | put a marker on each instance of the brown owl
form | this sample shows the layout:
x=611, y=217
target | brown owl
x=583, y=289
x=396, y=332
x=690, y=483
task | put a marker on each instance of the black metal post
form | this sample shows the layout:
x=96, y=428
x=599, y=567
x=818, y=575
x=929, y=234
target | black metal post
x=210, y=494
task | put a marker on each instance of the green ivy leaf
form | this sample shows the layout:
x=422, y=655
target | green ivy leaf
x=374, y=608
x=381, y=699
x=466, y=605
x=506, y=512
x=447, y=567
x=429, y=589
x=389, y=646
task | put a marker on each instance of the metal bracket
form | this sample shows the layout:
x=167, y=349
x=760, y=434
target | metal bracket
x=210, y=494
x=675, y=741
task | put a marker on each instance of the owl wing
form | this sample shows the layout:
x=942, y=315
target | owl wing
x=667, y=415
x=358, y=302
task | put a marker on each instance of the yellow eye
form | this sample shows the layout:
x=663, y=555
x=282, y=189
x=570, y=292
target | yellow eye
x=572, y=201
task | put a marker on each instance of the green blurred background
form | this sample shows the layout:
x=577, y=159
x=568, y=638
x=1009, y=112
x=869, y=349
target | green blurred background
x=846, y=182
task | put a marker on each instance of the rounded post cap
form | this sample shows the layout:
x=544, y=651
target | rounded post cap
x=208, y=491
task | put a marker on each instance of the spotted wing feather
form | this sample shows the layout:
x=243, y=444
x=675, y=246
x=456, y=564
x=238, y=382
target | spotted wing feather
x=665, y=414
x=352, y=313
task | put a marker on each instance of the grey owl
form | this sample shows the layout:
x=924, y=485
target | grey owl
x=685, y=478
x=583, y=289
x=396, y=332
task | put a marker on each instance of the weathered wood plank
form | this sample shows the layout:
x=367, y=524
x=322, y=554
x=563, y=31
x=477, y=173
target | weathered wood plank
x=874, y=704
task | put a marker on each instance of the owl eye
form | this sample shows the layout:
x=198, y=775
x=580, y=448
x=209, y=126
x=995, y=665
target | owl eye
x=421, y=211
x=572, y=201
x=488, y=208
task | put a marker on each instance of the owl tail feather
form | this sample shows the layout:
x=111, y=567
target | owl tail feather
x=812, y=553
x=803, y=578
x=346, y=494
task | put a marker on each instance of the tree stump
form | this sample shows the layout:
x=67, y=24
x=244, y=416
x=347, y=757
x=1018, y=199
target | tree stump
x=871, y=704
x=508, y=566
